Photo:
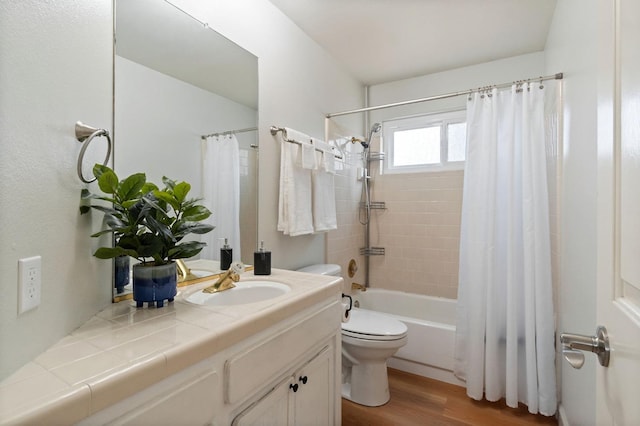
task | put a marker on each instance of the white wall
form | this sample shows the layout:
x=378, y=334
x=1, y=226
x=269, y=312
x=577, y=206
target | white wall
x=459, y=79
x=55, y=69
x=299, y=84
x=159, y=120
x=571, y=48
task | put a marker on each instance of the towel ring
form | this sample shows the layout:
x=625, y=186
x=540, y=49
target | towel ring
x=84, y=135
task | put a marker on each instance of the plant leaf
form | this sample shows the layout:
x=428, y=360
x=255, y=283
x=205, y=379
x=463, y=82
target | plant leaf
x=185, y=250
x=181, y=190
x=149, y=245
x=159, y=229
x=131, y=186
x=196, y=213
x=108, y=182
x=99, y=169
x=168, y=182
x=111, y=252
x=148, y=187
x=167, y=198
x=185, y=228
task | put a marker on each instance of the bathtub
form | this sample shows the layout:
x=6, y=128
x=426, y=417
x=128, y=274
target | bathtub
x=431, y=331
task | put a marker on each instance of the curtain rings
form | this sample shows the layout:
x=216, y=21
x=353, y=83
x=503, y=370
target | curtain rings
x=85, y=134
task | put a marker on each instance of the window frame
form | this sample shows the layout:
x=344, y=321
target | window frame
x=441, y=119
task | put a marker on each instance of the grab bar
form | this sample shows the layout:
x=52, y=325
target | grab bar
x=84, y=135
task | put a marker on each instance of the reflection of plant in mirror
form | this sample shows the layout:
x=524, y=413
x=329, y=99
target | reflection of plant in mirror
x=147, y=223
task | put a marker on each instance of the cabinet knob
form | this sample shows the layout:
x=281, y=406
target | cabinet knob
x=294, y=386
x=303, y=379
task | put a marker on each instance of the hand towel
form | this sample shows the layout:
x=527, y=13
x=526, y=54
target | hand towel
x=294, y=205
x=308, y=156
x=324, y=196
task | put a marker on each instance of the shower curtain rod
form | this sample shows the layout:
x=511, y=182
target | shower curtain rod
x=229, y=132
x=557, y=76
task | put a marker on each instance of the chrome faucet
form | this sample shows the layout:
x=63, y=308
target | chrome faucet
x=227, y=279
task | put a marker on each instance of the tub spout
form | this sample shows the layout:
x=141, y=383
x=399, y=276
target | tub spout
x=356, y=286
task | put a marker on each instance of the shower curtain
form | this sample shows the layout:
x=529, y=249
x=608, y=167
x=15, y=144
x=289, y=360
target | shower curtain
x=505, y=318
x=221, y=192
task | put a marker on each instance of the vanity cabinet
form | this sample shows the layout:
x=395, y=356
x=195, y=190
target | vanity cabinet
x=181, y=399
x=303, y=398
x=286, y=374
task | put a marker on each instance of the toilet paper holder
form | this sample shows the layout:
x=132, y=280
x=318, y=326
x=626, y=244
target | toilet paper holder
x=346, y=296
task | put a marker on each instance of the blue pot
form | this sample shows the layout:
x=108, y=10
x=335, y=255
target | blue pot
x=154, y=284
x=121, y=275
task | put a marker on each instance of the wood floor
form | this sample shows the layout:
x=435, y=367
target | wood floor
x=416, y=400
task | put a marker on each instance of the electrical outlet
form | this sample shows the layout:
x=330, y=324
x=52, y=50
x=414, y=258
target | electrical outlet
x=29, y=283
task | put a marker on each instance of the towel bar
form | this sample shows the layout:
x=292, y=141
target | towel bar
x=274, y=131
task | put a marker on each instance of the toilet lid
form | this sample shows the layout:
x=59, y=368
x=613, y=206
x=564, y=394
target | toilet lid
x=366, y=324
x=322, y=269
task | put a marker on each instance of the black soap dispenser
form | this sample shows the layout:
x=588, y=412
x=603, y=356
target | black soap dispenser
x=262, y=261
x=226, y=256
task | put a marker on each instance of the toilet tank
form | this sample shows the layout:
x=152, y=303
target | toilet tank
x=323, y=269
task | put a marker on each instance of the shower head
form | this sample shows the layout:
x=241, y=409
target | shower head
x=374, y=129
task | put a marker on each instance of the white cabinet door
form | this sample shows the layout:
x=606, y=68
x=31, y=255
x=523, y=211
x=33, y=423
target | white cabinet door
x=618, y=307
x=270, y=410
x=313, y=402
x=306, y=398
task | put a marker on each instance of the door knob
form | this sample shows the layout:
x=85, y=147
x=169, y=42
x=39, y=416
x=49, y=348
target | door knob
x=572, y=344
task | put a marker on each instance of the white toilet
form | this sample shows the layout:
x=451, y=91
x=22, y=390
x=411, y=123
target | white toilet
x=368, y=339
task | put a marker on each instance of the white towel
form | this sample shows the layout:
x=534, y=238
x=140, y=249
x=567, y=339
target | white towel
x=292, y=134
x=308, y=156
x=324, y=195
x=294, y=205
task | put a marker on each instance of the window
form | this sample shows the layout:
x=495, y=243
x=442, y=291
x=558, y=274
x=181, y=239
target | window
x=425, y=143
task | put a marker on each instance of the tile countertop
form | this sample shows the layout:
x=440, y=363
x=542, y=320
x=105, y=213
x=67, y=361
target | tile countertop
x=124, y=349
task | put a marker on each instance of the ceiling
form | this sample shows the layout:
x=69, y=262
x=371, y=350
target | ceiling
x=386, y=40
x=162, y=37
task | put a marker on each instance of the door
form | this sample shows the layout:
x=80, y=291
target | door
x=618, y=306
x=271, y=410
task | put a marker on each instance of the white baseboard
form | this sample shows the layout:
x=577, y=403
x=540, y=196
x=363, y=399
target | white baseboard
x=562, y=416
x=425, y=371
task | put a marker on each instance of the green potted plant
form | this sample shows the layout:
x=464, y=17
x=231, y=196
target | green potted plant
x=148, y=224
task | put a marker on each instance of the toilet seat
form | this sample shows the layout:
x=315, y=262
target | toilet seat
x=370, y=325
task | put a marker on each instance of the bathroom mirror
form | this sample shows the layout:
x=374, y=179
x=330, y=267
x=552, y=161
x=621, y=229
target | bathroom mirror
x=177, y=80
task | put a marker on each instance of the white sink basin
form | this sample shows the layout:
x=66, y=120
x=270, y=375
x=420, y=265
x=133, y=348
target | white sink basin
x=244, y=292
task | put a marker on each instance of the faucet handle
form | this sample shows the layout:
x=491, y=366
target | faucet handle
x=237, y=268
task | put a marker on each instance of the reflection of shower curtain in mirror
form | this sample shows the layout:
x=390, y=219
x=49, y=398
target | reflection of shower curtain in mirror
x=221, y=193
